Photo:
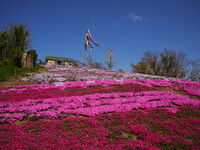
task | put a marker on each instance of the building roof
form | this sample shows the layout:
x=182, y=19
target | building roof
x=57, y=58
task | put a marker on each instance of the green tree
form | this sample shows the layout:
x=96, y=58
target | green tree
x=4, y=48
x=174, y=64
x=19, y=42
x=149, y=64
x=167, y=63
x=13, y=42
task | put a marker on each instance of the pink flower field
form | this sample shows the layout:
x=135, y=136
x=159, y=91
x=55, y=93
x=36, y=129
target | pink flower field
x=85, y=108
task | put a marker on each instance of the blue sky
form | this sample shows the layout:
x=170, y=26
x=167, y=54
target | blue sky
x=129, y=27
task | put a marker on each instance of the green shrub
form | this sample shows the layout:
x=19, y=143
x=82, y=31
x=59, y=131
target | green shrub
x=6, y=72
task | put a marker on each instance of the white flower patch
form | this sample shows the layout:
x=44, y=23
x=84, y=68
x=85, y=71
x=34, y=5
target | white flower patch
x=90, y=82
x=59, y=83
x=119, y=80
x=71, y=73
x=45, y=77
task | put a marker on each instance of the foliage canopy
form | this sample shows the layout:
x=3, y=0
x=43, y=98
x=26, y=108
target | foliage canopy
x=168, y=63
x=13, y=43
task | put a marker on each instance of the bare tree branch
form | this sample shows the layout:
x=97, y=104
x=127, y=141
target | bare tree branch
x=110, y=59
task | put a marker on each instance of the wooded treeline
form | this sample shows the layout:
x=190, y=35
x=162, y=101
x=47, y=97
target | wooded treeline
x=169, y=63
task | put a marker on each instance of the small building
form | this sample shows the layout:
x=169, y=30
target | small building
x=51, y=60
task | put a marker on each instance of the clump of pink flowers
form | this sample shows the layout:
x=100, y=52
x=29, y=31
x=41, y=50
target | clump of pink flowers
x=154, y=128
x=100, y=109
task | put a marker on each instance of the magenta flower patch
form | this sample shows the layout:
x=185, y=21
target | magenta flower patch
x=100, y=110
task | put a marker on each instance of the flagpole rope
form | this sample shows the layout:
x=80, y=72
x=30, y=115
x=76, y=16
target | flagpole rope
x=86, y=60
x=81, y=60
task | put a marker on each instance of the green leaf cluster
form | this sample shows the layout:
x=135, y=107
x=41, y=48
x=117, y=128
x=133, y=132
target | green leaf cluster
x=13, y=43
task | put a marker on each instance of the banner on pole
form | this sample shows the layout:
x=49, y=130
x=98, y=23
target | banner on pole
x=89, y=38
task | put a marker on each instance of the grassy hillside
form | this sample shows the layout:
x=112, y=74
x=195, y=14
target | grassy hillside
x=9, y=77
x=85, y=108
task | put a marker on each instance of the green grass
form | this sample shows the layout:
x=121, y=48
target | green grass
x=7, y=72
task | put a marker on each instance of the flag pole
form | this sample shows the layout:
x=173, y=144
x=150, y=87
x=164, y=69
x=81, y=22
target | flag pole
x=85, y=57
x=81, y=60
x=86, y=60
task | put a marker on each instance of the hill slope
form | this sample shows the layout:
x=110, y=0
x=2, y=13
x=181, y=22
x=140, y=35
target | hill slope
x=85, y=108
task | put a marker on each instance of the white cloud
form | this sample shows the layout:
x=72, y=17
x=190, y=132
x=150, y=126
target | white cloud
x=134, y=17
